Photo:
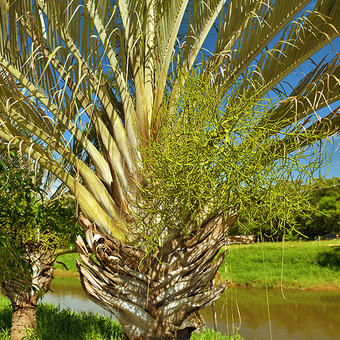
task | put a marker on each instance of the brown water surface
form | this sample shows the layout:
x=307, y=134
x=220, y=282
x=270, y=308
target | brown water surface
x=68, y=293
x=302, y=315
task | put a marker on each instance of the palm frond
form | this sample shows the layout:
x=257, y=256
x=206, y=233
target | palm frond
x=84, y=84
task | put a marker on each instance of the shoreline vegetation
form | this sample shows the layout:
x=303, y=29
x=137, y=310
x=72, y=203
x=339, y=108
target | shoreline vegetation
x=294, y=265
x=64, y=324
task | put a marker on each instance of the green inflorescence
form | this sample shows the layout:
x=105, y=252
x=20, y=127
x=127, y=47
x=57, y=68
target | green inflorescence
x=214, y=153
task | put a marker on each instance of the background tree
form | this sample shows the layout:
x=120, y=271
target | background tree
x=325, y=216
x=320, y=215
x=190, y=138
x=34, y=230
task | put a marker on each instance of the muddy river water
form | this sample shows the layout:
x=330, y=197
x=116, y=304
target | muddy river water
x=293, y=314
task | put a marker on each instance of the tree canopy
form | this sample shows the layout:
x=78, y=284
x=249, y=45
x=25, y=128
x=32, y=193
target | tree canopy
x=31, y=224
x=319, y=215
x=325, y=216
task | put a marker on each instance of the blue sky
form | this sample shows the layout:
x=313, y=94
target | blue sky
x=334, y=170
x=333, y=146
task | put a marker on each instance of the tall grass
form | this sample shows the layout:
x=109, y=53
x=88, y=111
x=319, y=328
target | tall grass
x=5, y=318
x=64, y=324
x=304, y=265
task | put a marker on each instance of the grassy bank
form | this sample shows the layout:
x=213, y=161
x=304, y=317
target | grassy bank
x=54, y=323
x=303, y=265
x=69, y=260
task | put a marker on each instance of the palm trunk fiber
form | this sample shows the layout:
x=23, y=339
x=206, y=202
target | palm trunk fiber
x=24, y=302
x=24, y=318
x=152, y=298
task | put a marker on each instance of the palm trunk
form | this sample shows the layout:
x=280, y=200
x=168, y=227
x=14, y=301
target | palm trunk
x=152, y=296
x=24, y=303
x=24, y=318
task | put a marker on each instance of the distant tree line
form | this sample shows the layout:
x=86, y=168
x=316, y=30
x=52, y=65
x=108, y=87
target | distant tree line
x=325, y=214
x=321, y=216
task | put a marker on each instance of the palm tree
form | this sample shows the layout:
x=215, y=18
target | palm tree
x=133, y=71
x=33, y=228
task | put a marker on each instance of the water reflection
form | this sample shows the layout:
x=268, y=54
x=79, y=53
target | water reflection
x=68, y=293
x=303, y=315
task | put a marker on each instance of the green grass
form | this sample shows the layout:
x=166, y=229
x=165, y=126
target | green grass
x=62, y=324
x=306, y=265
x=209, y=334
x=5, y=318
x=70, y=261
x=54, y=323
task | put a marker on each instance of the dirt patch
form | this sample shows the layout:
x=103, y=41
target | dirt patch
x=320, y=287
x=65, y=273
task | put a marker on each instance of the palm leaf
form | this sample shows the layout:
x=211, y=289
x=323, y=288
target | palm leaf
x=56, y=56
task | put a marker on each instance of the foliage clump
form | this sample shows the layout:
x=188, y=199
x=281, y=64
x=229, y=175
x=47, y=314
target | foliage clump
x=215, y=153
x=324, y=215
x=320, y=215
x=31, y=224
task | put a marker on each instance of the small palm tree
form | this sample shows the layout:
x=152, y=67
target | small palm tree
x=33, y=229
x=188, y=137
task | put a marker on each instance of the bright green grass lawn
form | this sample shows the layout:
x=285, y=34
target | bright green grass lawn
x=306, y=265
x=70, y=261
x=209, y=334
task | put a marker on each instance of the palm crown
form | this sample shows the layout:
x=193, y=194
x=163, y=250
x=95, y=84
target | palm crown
x=56, y=58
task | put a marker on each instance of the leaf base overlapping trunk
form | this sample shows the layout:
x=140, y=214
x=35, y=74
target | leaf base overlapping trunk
x=152, y=295
x=24, y=301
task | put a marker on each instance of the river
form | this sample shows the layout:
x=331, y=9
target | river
x=298, y=315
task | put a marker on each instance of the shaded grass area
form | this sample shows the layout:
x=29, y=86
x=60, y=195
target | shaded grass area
x=5, y=318
x=209, y=334
x=64, y=324
x=303, y=265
